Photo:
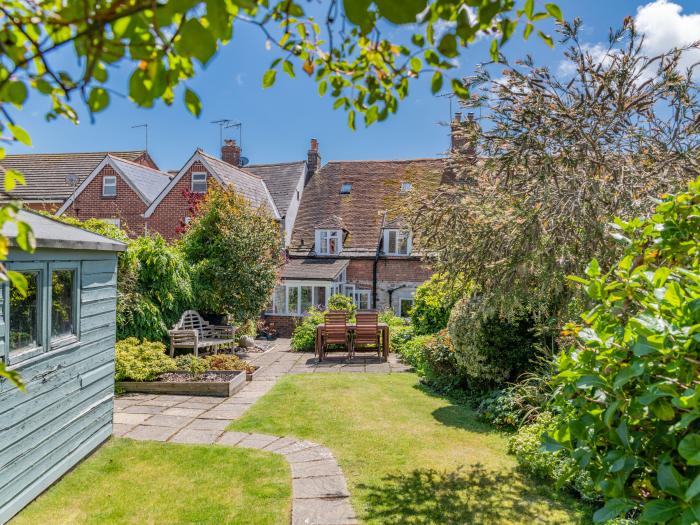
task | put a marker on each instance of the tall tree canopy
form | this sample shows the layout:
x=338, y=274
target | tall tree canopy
x=554, y=157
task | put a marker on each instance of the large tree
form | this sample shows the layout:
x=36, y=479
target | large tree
x=553, y=158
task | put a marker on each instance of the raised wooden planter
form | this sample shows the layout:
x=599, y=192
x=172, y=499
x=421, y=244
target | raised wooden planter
x=189, y=388
x=249, y=376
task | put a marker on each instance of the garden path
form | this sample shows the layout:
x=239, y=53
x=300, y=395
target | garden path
x=319, y=492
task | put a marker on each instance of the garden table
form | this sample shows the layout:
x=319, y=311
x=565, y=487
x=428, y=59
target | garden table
x=383, y=328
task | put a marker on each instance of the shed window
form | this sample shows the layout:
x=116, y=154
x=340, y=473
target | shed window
x=25, y=315
x=199, y=182
x=62, y=304
x=109, y=186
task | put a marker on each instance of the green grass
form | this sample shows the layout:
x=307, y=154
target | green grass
x=409, y=456
x=131, y=482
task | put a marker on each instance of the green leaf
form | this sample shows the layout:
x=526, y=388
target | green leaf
x=401, y=11
x=195, y=40
x=436, y=82
x=546, y=38
x=98, y=99
x=13, y=376
x=371, y=115
x=20, y=134
x=416, y=65
x=555, y=11
x=288, y=68
x=16, y=92
x=25, y=237
x=613, y=508
x=192, y=102
x=351, y=120
x=670, y=480
x=593, y=269
x=528, y=30
x=529, y=8
x=625, y=375
x=322, y=87
x=689, y=449
x=694, y=489
x=269, y=78
x=660, y=511
x=359, y=14
x=448, y=45
x=19, y=281
x=12, y=178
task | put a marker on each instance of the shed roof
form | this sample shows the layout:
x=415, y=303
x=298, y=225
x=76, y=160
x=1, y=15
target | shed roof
x=45, y=173
x=314, y=268
x=281, y=179
x=51, y=233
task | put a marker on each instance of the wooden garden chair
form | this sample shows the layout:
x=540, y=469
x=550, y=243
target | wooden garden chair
x=192, y=331
x=335, y=332
x=367, y=333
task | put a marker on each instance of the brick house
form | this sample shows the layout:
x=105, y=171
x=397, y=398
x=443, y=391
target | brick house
x=349, y=238
x=117, y=191
x=51, y=178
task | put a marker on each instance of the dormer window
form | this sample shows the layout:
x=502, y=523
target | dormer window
x=345, y=188
x=406, y=187
x=329, y=242
x=199, y=182
x=109, y=186
x=397, y=242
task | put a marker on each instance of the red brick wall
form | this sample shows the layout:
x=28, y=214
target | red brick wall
x=127, y=205
x=168, y=217
x=284, y=324
x=392, y=270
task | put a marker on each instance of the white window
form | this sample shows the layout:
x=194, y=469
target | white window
x=297, y=299
x=406, y=187
x=109, y=186
x=362, y=299
x=199, y=182
x=113, y=220
x=397, y=242
x=329, y=242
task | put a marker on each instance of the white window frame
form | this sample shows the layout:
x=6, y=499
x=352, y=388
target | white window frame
x=58, y=342
x=295, y=310
x=357, y=299
x=323, y=238
x=205, y=181
x=389, y=250
x=112, y=184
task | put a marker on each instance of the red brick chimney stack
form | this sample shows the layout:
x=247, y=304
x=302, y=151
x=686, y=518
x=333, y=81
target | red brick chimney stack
x=313, y=162
x=231, y=152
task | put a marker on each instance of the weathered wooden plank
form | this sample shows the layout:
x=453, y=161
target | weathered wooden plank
x=97, y=321
x=95, y=280
x=190, y=389
x=53, y=473
x=98, y=307
x=101, y=372
x=97, y=294
x=99, y=266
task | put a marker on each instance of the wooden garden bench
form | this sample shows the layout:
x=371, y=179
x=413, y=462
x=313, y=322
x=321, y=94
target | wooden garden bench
x=192, y=331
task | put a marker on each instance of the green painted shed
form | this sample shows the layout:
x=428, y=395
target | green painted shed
x=60, y=337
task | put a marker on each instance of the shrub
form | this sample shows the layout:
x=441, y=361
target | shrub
x=141, y=360
x=192, y=364
x=630, y=380
x=304, y=335
x=413, y=352
x=441, y=367
x=400, y=331
x=343, y=303
x=249, y=327
x=227, y=362
x=490, y=350
x=234, y=249
x=434, y=300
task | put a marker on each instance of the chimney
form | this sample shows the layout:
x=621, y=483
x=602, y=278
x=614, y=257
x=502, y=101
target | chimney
x=313, y=162
x=460, y=138
x=230, y=152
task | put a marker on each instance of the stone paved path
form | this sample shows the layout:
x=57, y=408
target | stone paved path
x=319, y=492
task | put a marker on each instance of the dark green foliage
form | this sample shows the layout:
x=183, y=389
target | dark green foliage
x=490, y=350
x=304, y=335
x=434, y=300
x=629, y=383
x=234, y=250
x=343, y=303
x=141, y=360
x=400, y=331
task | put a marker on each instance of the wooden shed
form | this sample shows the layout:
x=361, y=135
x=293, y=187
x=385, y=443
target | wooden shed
x=60, y=337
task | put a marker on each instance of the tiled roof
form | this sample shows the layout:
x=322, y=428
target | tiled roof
x=281, y=179
x=375, y=188
x=313, y=268
x=46, y=173
x=247, y=184
x=147, y=181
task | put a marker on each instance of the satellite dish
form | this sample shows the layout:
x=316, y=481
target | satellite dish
x=244, y=161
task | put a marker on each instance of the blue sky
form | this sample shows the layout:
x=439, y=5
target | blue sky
x=278, y=122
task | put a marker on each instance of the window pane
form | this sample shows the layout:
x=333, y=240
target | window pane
x=280, y=299
x=293, y=303
x=306, y=298
x=332, y=244
x=24, y=315
x=109, y=186
x=320, y=299
x=62, y=322
x=199, y=182
x=392, y=242
x=403, y=243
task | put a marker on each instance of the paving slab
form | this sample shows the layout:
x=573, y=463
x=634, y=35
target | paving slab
x=119, y=429
x=195, y=405
x=130, y=419
x=189, y=435
x=179, y=411
x=228, y=412
x=320, y=487
x=122, y=403
x=231, y=438
x=311, y=469
x=151, y=433
x=144, y=409
x=168, y=421
x=322, y=511
x=297, y=446
x=310, y=454
x=208, y=424
x=280, y=443
x=257, y=441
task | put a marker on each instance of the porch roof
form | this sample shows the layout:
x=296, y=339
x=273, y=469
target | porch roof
x=314, y=268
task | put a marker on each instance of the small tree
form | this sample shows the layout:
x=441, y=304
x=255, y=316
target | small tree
x=235, y=251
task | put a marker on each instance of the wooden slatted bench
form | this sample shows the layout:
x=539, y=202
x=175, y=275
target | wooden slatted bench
x=192, y=331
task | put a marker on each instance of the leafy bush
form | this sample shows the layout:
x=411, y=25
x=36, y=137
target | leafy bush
x=441, y=367
x=234, y=249
x=304, y=335
x=413, y=352
x=630, y=380
x=433, y=303
x=141, y=360
x=490, y=350
x=247, y=328
x=227, y=362
x=558, y=468
x=343, y=303
x=192, y=364
x=400, y=331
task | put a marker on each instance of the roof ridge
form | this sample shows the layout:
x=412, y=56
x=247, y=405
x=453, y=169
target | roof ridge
x=275, y=163
x=77, y=153
x=238, y=168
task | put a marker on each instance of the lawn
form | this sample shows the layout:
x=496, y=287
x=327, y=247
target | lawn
x=131, y=482
x=410, y=457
